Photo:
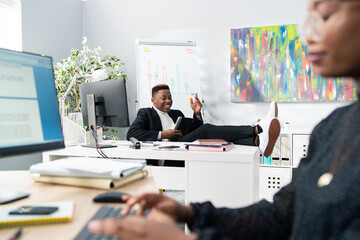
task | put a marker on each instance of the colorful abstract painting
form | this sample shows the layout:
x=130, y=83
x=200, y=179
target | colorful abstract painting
x=270, y=64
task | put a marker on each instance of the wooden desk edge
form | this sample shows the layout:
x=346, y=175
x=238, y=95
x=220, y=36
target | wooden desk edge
x=82, y=197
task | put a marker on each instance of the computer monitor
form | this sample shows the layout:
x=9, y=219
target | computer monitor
x=107, y=102
x=29, y=115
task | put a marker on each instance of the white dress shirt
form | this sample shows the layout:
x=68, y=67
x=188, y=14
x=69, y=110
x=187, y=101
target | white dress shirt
x=166, y=121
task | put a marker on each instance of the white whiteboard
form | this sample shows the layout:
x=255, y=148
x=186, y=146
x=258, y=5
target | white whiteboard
x=172, y=63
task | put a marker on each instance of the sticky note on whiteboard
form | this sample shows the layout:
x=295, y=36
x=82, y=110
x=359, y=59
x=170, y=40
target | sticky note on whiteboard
x=145, y=49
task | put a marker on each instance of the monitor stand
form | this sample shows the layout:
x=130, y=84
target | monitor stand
x=90, y=98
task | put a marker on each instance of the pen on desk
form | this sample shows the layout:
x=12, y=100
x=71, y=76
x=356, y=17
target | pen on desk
x=168, y=147
x=16, y=235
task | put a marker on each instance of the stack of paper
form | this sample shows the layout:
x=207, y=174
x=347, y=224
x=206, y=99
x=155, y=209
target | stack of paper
x=89, y=172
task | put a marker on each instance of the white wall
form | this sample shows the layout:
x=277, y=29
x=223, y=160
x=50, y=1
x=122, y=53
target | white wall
x=114, y=25
x=51, y=27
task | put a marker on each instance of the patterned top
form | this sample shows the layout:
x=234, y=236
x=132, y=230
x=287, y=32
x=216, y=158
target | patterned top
x=302, y=210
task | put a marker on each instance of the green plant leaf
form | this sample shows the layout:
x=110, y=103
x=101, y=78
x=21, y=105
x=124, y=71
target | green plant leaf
x=85, y=61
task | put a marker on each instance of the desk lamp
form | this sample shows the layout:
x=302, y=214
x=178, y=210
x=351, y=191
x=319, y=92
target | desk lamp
x=96, y=76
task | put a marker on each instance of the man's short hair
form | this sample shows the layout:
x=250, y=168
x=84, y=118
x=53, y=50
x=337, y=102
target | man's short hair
x=159, y=87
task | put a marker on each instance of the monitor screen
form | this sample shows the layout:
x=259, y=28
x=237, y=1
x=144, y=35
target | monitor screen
x=29, y=115
x=111, y=107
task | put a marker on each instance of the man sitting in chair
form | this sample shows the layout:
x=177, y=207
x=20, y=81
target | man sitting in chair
x=157, y=123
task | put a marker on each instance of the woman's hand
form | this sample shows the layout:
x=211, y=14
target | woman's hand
x=138, y=227
x=172, y=208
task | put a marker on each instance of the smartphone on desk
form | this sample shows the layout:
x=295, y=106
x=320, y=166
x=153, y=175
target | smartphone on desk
x=34, y=210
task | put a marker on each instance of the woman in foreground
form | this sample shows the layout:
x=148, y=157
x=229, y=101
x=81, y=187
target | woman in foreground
x=323, y=199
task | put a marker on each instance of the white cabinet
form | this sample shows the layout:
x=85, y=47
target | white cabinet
x=273, y=178
x=276, y=171
x=300, y=144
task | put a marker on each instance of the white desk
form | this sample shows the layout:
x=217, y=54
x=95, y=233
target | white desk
x=228, y=179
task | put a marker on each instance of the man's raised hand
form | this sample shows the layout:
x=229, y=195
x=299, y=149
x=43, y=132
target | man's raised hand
x=196, y=105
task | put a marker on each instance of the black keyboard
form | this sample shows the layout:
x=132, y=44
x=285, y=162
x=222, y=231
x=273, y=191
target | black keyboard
x=102, y=213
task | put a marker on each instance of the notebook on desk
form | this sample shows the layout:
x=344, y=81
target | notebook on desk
x=64, y=213
x=211, y=141
x=100, y=183
x=89, y=167
x=209, y=147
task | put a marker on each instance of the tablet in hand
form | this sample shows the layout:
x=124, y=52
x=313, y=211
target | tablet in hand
x=178, y=122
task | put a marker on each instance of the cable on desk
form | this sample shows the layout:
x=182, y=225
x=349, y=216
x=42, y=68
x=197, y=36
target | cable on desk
x=98, y=149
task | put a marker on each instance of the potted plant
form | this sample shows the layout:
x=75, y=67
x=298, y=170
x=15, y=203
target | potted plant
x=83, y=62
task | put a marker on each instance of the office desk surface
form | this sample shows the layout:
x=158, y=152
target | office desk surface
x=236, y=154
x=42, y=192
x=228, y=179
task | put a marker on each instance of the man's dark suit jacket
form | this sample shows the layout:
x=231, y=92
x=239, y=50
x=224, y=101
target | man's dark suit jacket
x=147, y=124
